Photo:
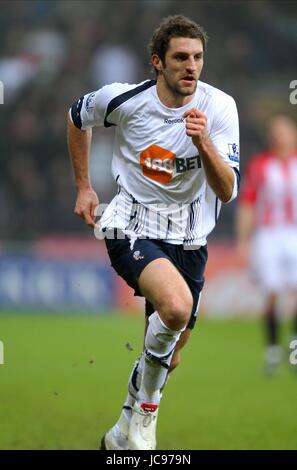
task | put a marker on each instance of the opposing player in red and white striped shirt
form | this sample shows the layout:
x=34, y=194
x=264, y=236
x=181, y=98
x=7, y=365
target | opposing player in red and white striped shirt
x=267, y=222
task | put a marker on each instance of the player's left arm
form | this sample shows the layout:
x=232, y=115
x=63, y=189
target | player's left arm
x=219, y=174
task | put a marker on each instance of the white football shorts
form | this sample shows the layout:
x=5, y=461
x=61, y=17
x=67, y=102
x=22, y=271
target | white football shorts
x=274, y=258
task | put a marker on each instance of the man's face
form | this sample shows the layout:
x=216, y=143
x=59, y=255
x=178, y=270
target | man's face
x=182, y=65
x=282, y=133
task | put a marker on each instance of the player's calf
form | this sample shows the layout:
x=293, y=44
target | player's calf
x=174, y=362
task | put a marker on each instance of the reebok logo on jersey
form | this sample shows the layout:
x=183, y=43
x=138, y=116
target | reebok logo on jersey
x=173, y=121
x=159, y=164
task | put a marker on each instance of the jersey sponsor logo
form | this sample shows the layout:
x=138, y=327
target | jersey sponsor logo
x=160, y=164
x=173, y=121
x=233, y=153
x=186, y=164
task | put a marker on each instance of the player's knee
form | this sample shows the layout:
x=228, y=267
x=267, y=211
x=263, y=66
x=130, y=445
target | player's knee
x=176, y=311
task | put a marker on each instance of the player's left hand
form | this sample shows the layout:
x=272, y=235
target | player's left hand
x=196, y=125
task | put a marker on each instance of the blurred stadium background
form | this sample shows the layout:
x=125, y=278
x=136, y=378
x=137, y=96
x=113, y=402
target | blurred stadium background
x=65, y=370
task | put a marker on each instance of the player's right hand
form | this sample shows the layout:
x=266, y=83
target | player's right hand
x=86, y=203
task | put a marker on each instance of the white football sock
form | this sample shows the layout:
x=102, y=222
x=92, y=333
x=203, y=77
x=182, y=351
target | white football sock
x=133, y=387
x=160, y=342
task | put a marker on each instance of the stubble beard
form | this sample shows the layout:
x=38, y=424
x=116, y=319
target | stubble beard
x=178, y=90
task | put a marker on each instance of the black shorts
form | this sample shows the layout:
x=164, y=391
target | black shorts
x=130, y=263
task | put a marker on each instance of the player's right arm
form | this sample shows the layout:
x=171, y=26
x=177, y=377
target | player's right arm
x=79, y=144
x=90, y=110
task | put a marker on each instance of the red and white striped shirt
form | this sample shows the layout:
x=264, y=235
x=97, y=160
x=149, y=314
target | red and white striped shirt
x=270, y=186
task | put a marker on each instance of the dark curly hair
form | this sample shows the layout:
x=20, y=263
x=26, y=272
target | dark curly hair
x=177, y=26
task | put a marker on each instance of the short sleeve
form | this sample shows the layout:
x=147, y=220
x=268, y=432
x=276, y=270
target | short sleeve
x=90, y=110
x=224, y=131
x=224, y=134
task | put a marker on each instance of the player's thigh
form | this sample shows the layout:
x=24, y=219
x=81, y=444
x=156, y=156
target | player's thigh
x=163, y=286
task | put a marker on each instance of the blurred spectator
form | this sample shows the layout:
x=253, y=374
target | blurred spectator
x=15, y=72
x=114, y=63
x=48, y=48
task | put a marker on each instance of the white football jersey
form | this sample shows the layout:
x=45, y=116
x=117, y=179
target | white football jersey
x=163, y=192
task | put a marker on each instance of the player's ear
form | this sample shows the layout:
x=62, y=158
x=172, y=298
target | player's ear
x=156, y=62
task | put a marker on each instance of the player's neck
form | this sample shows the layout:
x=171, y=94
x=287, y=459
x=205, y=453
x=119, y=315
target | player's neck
x=169, y=98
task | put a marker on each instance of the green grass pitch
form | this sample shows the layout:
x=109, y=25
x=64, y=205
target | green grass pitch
x=64, y=381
